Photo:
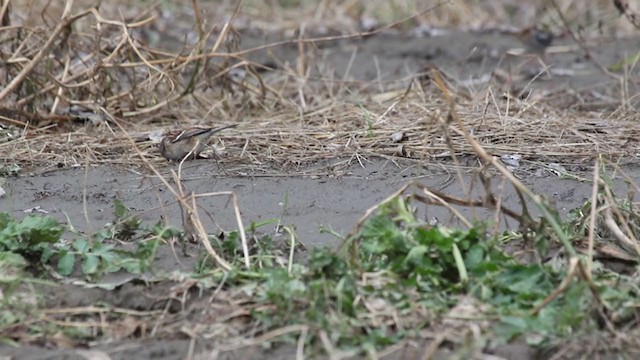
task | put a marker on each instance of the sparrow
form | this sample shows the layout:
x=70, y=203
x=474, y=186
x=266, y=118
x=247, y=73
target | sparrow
x=536, y=40
x=176, y=145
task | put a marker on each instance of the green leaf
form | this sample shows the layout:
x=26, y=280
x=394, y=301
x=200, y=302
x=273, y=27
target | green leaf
x=5, y=219
x=66, y=262
x=323, y=262
x=512, y=326
x=103, y=234
x=81, y=246
x=462, y=270
x=31, y=231
x=47, y=253
x=163, y=232
x=120, y=211
x=525, y=279
x=90, y=264
x=11, y=266
x=416, y=255
x=105, y=251
x=133, y=266
x=474, y=257
x=38, y=229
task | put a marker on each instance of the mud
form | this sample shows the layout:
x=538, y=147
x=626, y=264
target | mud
x=310, y=203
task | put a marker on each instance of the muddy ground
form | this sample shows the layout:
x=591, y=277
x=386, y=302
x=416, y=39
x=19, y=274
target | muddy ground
x=310, y=203
x=316, y=195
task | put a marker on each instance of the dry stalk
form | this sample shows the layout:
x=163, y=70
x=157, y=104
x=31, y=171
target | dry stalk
x=292, y=247
x=592, y=215
x=614, y=219
x=447, y=200
x=444, y=125
x=236, y=209
x=433, y=198
x=66, y=21
x=625, y=240
x=193, y=225
x=576, y=269
x=4, y=13
x=268, y=336
x=300, y=346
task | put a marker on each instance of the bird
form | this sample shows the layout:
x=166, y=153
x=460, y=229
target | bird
x=179, y=144
x=536, y=40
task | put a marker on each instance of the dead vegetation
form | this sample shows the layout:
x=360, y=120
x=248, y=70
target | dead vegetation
x=75, y=81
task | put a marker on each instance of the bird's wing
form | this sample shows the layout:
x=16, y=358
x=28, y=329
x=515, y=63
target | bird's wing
x=192, y=132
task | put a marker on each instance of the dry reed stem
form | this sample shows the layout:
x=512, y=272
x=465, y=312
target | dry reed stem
x=191, y=221
x=236, y=210
x=203, y=236
x=592, y=215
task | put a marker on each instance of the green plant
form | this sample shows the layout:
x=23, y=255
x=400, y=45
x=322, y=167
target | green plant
x=30, y=238
x=98, y=256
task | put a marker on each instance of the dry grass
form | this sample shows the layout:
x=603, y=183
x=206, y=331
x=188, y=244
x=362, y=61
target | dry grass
x=67, y=83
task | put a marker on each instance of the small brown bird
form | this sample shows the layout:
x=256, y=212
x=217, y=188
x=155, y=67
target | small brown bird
x=536, y=40
x=176, y=145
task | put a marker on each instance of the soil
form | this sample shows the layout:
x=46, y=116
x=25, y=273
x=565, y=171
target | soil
x=307, y=202
x=321, y=198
